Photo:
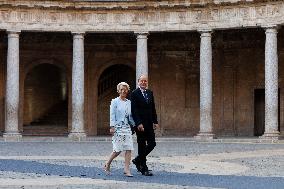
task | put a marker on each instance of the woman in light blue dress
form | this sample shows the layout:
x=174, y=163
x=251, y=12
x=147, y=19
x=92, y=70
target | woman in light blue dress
x=120, y=127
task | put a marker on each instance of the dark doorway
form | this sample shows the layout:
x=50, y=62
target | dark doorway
x=45, y=101
x=107, y=91
x=259, y=111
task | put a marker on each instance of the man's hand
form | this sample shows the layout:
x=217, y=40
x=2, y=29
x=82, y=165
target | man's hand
x=155, y=126
x=140, y=128
x=111, y=130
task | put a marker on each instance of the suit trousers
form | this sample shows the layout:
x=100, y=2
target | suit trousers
x=146, y=143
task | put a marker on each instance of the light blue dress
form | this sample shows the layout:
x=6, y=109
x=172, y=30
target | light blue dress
x=121, y=119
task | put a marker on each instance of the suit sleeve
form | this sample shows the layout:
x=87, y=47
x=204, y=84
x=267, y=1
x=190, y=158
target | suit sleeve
x=134, y=110
x=154, y=113
x=131, y=120
x=112, y=113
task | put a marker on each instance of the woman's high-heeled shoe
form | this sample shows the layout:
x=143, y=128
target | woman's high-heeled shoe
x=107, y=169
x=128, y=174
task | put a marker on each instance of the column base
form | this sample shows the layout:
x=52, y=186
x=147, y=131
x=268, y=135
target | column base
x=271, y=135
x=77, y=136
x=12, y=136
x=204, y=136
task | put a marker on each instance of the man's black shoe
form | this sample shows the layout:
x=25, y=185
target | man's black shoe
x=147, y=173
x=137, y=164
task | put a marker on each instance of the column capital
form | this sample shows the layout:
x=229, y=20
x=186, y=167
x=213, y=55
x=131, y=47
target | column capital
x=13, y=33
x=271, y=30
x=205, y=33
x=78, y=34
x=141, y=35
x=202, y=31
x=270, y=26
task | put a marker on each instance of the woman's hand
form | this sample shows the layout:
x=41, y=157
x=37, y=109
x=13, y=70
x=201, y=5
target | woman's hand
x=111, y=130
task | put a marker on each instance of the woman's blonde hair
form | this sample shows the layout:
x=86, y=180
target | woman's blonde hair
x=122, y=84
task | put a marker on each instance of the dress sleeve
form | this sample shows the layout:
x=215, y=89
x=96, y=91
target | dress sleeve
x=112, y=113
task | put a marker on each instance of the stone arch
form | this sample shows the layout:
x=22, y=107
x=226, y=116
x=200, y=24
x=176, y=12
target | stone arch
x=124, y=62
x=112, y=62
x=52, y=61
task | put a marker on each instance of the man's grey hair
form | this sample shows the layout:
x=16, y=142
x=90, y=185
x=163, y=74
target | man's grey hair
x=143, y=75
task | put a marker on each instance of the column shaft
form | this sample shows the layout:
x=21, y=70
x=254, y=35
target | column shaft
x=141, y=55
x=205, y=86
x=78, y=131
x=271, y=84
x=12, y=88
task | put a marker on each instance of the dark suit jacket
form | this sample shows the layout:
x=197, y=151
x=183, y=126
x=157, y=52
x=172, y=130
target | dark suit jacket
x=143, y=112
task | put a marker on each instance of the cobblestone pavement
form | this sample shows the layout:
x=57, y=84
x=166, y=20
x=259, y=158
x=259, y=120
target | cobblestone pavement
x=175, y=164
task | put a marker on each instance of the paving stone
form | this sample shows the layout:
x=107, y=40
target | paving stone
x=175, y=164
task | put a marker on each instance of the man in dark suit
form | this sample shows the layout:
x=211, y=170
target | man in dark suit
x=145, y=118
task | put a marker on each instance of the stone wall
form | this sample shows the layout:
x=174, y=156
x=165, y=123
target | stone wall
x=238, y=69
x=133, y=16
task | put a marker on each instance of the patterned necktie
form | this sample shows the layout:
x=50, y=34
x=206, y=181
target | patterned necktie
x=145, y=96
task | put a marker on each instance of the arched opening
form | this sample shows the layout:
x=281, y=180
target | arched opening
x=45, y=101
x=107, y=91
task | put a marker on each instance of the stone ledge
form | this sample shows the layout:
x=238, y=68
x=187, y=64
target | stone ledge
x=270, y=136
x=165, y=17
x=252, y=140
x=12, y=137
x=203, y=136
x=122, y=4
x=77, y=136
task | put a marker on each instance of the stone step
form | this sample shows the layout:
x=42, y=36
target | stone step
x=44, y=130
x=57, y=115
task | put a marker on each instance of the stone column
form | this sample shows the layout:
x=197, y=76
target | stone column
x=12, y=88
x=205, y=86
x=77, y=130
x=141, y=55
x=271, y=84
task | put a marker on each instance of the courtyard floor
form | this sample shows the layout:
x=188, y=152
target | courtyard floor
x=236, y=164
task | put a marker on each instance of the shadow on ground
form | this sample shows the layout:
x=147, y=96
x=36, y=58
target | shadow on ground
x=160, y=177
